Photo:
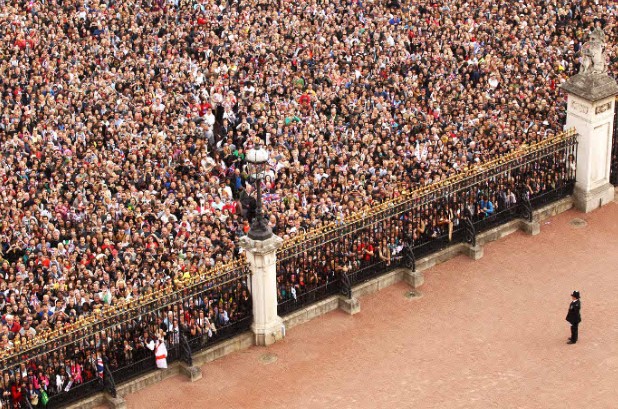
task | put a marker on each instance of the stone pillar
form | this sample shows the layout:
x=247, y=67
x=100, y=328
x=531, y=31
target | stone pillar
x=262, y=258
x=590, y=110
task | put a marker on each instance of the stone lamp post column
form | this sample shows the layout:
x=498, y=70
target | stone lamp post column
x=261, y=246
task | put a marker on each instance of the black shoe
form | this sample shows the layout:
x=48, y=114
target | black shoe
x=571, y=342
x=569, y=339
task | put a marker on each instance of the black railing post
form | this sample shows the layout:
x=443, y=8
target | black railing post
x=185, y=350
x=109, y=385
x=525, y=205
x=470, y=230
x=408, y=260
x=26, y=401
x=346, y=286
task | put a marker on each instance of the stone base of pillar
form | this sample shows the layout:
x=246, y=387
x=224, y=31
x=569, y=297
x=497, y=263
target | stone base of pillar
x=414, y=278
x=532, y=228
x=268, y=334
x=194, y=373
x=349, y=305
x=474, y=252
x=592, y=200
x=115, y=403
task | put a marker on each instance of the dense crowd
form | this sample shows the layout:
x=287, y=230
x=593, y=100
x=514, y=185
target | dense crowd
x=424, y=228
x=125, y=125
x=208, y=315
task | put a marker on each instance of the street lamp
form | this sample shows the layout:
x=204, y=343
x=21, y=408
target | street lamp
x=256, y=161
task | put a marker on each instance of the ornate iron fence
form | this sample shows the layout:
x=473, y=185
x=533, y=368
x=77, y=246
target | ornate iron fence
x=112, y=346
x=118, y=345
x=424, y=221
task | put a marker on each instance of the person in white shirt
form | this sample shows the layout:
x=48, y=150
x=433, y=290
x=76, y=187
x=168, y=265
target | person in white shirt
x=217, y=204
x=209, y=118
x=160, y=350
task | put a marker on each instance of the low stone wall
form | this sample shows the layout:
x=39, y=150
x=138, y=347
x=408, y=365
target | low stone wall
x=386, y=280
x=331, y=303
x=238, y=343
x=310, y=312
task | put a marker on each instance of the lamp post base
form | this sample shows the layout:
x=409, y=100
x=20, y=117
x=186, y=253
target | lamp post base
x=260, y=235
x=260, y=230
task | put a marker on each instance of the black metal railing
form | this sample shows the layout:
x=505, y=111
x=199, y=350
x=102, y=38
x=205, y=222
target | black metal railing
x=293, y=303
x=122, y=343
x=78, y=392
x=206, y=339
x=424, y=221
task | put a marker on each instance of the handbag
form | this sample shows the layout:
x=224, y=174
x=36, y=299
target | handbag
x=34, y=399
x=44, y=397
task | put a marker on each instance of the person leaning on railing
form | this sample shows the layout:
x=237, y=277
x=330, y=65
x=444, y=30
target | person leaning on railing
x=200, y=327
x=384, y=252
x=33, y=394
x=12, y=389
x=486, y=207
x=446, y=219
x=5, y=391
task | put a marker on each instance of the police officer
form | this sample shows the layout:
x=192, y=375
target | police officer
x=573, y=316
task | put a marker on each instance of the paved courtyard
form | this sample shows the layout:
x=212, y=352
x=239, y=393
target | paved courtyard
x=484, y=334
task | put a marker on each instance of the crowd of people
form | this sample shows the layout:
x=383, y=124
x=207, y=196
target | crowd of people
x=206, y=316
x=424, y=228
x=125, y=125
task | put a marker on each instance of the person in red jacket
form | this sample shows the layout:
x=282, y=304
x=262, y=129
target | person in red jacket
x=16, y=393
x=304, y=99
x=12, y=323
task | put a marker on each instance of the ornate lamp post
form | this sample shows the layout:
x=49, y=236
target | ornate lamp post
x=257, y=160
x=260, y=245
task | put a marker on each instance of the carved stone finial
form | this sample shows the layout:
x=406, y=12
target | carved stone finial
x=593, y=53
x=597, y=34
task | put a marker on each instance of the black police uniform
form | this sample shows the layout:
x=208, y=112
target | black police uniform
x=574, y=317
